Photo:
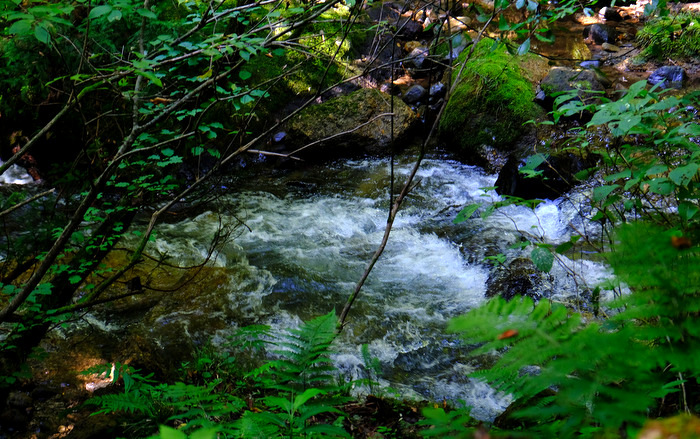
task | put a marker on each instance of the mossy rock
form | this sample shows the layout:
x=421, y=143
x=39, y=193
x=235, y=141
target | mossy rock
x=303, y=72
x=491, y=102
x=345, y=114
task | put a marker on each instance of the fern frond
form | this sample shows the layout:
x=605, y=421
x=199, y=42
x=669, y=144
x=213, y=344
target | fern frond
x=132, y=402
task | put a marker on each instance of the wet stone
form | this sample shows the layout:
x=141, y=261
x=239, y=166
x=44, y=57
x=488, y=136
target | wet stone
x=668, y=77
x=610, y=14
x=418, y=56
x=600, y=33
x=610, y=47
x=437, y=91
x=519, y=278
x=591, y=64
x=414, y=94
x=278, y=137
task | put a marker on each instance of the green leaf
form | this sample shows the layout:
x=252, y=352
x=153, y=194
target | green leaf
x=524, y=48
x=99, y=11
x=304, y=397
x=602, y=192
x=483, y=18
x=466, y=213
x=42, y=34
x=74, y=279
x=21, y=27
x=687, y=210
x=503, y=24
x=626, y=124
x=244, y=74
x=564, y=247
x=146, y=13
x=115, y=15
x=681, y=176
x=170, y=433
x=542, y=258
x=150, y=76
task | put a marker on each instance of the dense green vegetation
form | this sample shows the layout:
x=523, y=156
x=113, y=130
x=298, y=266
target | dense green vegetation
x=674, y=37
x=130, y=108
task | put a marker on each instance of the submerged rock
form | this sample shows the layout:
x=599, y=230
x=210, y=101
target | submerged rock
x=354, y=124
x=668, y=77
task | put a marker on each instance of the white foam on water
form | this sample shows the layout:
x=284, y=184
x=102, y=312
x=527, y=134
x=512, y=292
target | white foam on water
x=15, y=175
x=310, y=249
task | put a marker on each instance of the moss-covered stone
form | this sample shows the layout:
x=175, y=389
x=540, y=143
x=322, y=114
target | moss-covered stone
x=672, y=37
x=362, y=108
x=303, y=72
x=492, y=101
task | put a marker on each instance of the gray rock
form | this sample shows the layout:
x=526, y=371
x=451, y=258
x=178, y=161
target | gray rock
x=590, y=64
x=343, y=115
x=560, y=79
x=418, y=56
x=600, y=33
x=454, y=53
x=519, y=278
x=610, y=14
x=668, y=77
x=437, y=91
x=414, y=94
x=610, y=47
x=556, y=178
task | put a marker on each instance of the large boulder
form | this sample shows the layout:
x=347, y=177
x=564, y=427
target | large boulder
x=357, y=123
x=491, y=102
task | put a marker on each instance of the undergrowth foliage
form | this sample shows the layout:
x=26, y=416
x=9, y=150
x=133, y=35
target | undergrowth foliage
x=289, y=396
x=574, y=378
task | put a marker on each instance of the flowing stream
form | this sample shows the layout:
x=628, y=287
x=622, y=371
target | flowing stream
x=309, y=235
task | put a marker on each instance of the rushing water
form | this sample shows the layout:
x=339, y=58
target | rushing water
x=308, y=237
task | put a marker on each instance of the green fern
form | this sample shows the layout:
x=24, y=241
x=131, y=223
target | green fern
x=605, y=376
x=305, y=355
x=302, y=382
x=132, y=402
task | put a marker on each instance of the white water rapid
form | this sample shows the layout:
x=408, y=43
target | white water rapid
x=308, y=238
